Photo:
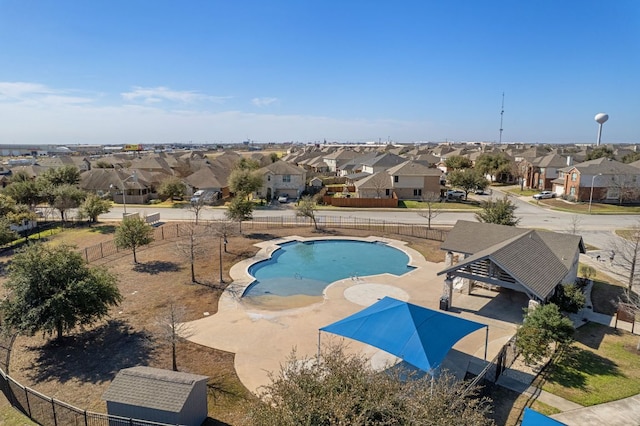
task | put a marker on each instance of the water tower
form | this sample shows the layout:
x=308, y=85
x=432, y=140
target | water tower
x=600, y=118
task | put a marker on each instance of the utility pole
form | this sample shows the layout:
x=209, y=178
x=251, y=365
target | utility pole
x=501, y=117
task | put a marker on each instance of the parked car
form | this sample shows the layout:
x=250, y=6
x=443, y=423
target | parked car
x=544, y=194
x=283, y=198
x=455, y=194
x=202, y=196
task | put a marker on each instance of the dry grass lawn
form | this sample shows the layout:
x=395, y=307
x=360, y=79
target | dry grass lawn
x=79, y=369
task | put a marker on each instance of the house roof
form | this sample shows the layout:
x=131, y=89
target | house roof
x=204, y=178
x=537, y=260
x=413, y=168
x=605, y=166
x=384, y=160
x=551, y=160
x=152, y=388
x=380, y=180
x=282, y=168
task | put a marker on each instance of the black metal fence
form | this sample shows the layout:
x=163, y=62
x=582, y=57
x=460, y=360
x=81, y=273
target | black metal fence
x=407, y=229
x=175, y=230
x=503, y=360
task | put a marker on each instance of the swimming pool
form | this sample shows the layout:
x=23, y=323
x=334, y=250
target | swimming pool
x=307, y=267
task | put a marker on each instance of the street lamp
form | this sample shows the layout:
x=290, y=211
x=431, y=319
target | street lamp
x=591, y=193
x=133, y=176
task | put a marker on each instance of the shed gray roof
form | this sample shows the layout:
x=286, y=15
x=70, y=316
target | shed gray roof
x=152, y=388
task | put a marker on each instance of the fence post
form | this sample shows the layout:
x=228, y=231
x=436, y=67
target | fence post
x=26, y=396
x=53, y=407
x=162, y=232
x=86, y=422
x=86, y=254
x=101, y=252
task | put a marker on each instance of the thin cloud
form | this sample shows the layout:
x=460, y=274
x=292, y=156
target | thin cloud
x=37, y=94
x=263, y=102
x=155, y=95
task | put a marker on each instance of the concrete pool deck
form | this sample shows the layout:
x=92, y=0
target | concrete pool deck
x=263, y=339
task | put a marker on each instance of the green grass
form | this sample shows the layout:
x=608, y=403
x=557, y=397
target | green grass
x=545, y=409
x=603, y=365
x=9, y=416
x=523, y=192
x=596, y=208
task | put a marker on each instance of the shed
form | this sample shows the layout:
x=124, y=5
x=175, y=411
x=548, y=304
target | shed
x=158, y=395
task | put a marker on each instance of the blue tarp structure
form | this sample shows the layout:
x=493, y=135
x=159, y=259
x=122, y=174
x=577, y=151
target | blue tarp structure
x=533, y=418
x=422, y=337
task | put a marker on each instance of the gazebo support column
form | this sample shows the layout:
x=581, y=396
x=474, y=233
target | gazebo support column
x=447, y=290
x=448, y=259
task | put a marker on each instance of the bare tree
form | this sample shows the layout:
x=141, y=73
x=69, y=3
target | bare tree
x=192, y=246
x=196, y=207
x=307, y=207
x=575, y=225
x=381, y=183
x=625, y=189
x=430, y=198
x=625, y=253
x=172, y=327
x=221, y=229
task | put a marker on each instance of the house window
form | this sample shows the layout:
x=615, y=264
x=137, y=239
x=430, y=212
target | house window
x=286, y=178
x=387, y=192
x=396, y=179
x=417, y=192
x=269, y=178
x=574, y=176
x=572, y=190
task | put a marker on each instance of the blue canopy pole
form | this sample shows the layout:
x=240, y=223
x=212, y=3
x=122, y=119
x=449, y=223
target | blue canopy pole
x=486, y=343
x=319, y=331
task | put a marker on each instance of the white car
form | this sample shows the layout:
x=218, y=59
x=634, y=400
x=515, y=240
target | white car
x=454, y=194
x=544, y=194
x=284, y=198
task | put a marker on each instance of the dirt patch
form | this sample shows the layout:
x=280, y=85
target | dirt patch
x=78, y=369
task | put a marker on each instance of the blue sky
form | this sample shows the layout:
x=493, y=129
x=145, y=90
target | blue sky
x=133, y=71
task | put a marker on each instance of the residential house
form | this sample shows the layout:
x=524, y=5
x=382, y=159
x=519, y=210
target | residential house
x=336, y=159
x=125, y=186
x=381, y=163
x=377, y=185
x=413, y=181
x=540, y=172
x=208, y=179
x=530, y=261
x=602, y=180
x=281, y=178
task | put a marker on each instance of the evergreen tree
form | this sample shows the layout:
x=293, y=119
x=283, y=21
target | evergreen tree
x=53, y=290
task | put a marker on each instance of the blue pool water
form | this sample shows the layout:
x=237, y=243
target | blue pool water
x=306, y=268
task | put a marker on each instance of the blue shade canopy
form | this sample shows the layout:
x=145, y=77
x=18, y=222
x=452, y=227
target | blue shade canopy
x=420, y=336
x=533, y=418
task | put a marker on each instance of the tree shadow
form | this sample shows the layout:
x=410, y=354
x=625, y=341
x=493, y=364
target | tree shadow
x=605, y=297
x=261, y=236
x=103, y=229
x=94, y=356
x=156, y=267
x=574, y=364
